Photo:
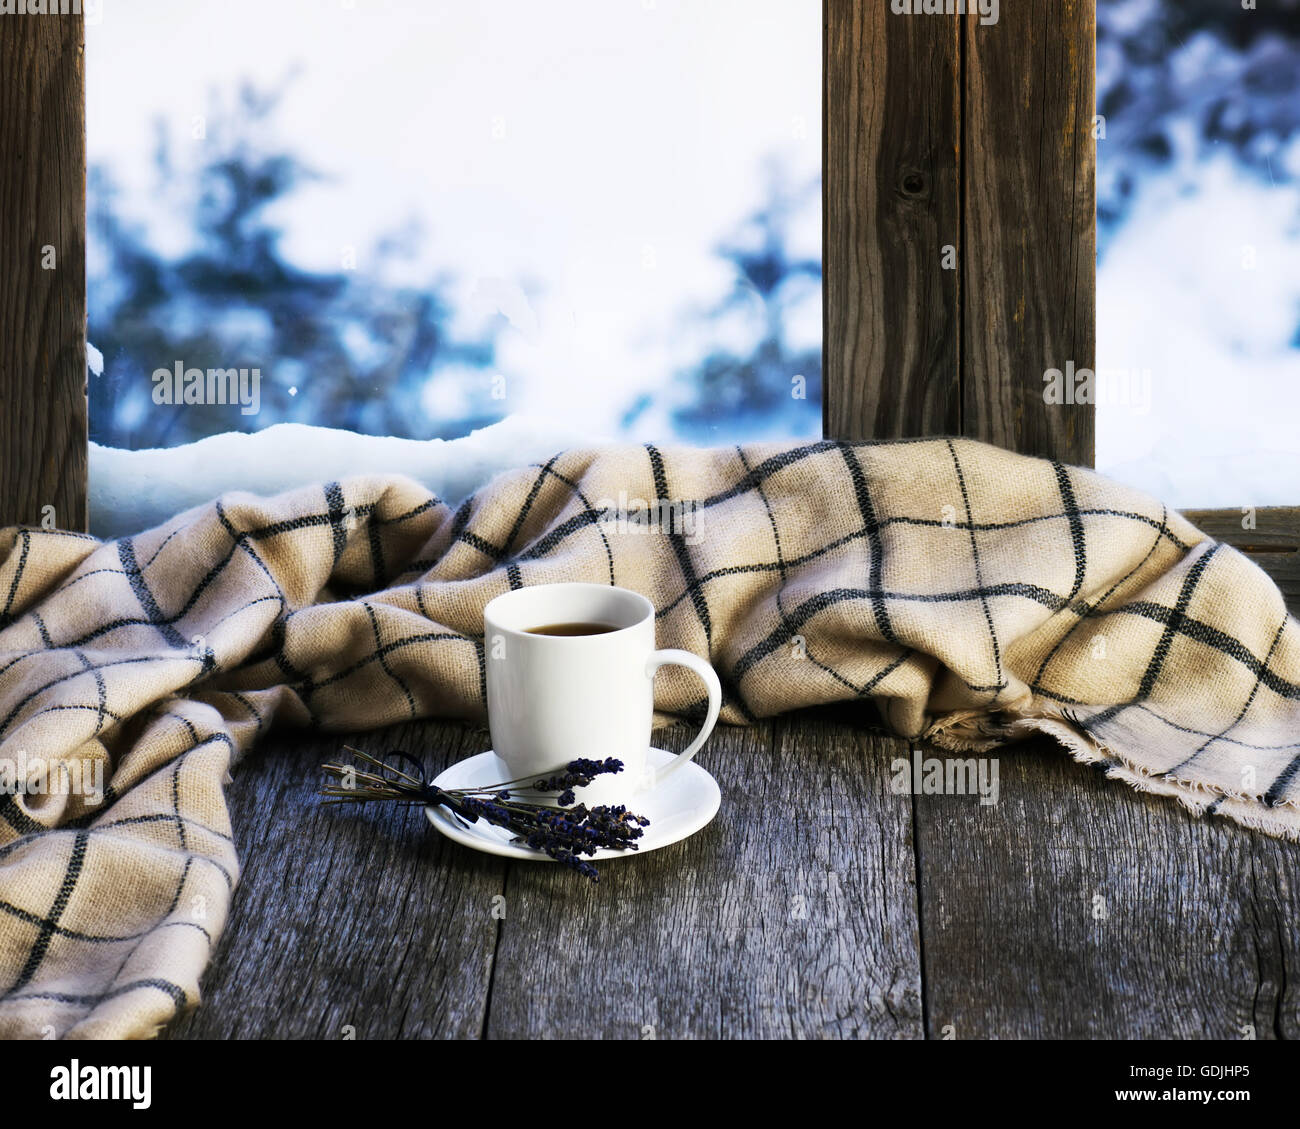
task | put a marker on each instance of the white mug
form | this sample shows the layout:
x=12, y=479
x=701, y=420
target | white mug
x=553, y=698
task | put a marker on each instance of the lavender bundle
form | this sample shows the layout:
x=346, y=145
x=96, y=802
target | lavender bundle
x=561, y=829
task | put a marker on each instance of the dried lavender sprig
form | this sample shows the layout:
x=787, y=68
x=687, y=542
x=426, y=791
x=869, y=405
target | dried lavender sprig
x=578, y=774
x=563, y=832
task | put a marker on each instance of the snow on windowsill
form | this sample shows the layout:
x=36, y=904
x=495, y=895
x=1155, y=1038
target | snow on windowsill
x=135, y=490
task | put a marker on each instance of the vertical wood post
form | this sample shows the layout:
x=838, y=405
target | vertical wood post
x=42, y=271
x=892, y=204
x=960, y=230
x=1031, y=226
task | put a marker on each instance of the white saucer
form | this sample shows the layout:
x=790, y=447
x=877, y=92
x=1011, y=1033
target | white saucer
x=676, y=808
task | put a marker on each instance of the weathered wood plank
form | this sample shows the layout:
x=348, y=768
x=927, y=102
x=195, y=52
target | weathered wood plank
x=42, y=271
x=1273, y=543
x=793, y=915
x=892, y=217
x=1029, y=289
x=1077, y=908
x=349, y=917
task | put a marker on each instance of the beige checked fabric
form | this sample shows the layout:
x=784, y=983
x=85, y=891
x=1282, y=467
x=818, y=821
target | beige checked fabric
x=972, y=594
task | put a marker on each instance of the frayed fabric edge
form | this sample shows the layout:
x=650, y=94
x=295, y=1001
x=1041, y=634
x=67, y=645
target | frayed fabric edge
x=976, y=731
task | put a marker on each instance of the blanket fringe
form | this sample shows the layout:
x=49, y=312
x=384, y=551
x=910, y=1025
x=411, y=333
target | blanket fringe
x=977, y=731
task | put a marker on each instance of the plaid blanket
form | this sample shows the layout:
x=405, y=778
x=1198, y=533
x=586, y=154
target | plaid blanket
x=974, y=595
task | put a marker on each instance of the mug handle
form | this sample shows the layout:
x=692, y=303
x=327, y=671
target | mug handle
x=673, y=657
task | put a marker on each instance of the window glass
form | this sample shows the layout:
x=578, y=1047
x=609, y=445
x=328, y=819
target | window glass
x=1198, y=287
x=415, y=218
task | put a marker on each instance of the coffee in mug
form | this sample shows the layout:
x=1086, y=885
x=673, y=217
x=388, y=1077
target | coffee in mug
x=570, y=673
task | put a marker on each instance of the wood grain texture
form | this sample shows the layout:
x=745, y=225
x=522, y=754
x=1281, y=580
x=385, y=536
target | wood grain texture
x=42, y=311
x=1077, y=908
x=793, y=915
x=349, y=918
x=891, y=206
x=1029, y=291
x=1274, y=543
x=796, y=913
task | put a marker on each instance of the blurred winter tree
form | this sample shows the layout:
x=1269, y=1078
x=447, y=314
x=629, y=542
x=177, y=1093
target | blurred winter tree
x=204, y=280
x=757, y=375
x=342, y=348
x=1181, y=80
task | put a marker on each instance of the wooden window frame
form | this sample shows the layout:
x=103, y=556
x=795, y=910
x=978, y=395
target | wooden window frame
x=942, y=132
x=959, y=249
x=43, y=417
